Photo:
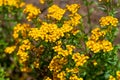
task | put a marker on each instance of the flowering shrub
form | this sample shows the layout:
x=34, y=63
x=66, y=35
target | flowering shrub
x=58, y=47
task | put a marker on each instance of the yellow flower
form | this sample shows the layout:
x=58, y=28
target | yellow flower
x=74, y=19
x=55, y=12
x=36, y=63
x=23, y=56
x=106, y=46
x=61, y=75
x=34, y=33
x=73, y=70
x=118, y=75
x=73, y=8
x=26, y=69
x=16, y=3
x=66, y=28
x=57, y=63
x=68, y=51
x=10, y=49
x=48, y=78
x=21, y=28
x=111, y=77
x=42, y=1
x=74, y=32
x=74, y=77
x=50, y=32
x=79, y=59
x=95, y=63
x=108, y=21
x=104, y=0
x=31, y=11
x=94, y=46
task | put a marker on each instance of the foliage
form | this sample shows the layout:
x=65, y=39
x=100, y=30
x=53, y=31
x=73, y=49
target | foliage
x=58, y=47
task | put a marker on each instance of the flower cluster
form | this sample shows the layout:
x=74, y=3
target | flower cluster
x=75, y=77
x=79, y=59
x=74, y=19
x=49, y=32
x=73, y=8
x=31, y=11
x=108, y=21
x=55, y=12
x=10, y=49
x=96, y=43
x=57, y=63
x=68, y=51
x=20, y=29
x=16, y=3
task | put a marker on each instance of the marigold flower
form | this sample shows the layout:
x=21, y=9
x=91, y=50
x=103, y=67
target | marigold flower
x=79, y=59
x=118, y=74
x=42, y=1
x=50, y=32
x=74, y=77
x=20, y=28
x=68, y=51
x=57, y=63
x=61, y=75
x=16, y=3
x=48, y=78
x=55, y=12
x=96, y=44
x=104, y=0
x=73, y=8
x=106, y=46
x=111, y=77
x=31, y=11
x=10, y=49
x=108, y=21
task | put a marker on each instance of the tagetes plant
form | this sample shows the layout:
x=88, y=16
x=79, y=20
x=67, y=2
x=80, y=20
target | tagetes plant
x=58, y=48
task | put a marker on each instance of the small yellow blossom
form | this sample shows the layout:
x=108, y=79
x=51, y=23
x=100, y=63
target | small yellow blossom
x=108, y=21
x=21, y=28
x=57, y=63
x=55, y=12
x=26, y=69
x=42, y=1
x=34, y=33
x=10, y=49
x=73, y=8
x=111, y=77
x=48, y=78
x=36, y=63
x=23, y=56
x=73, y=70
x=104, y=0
x=74, y=32
x=68, y=51
x=16, y=3
x=74, y=19
x=95, y=63
x=106, y=46
x=79, y=59
x=118, y=75
x=61, y=75
x=74, y=77
x=50, y=32
x=96, y=44
x=31, y=11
